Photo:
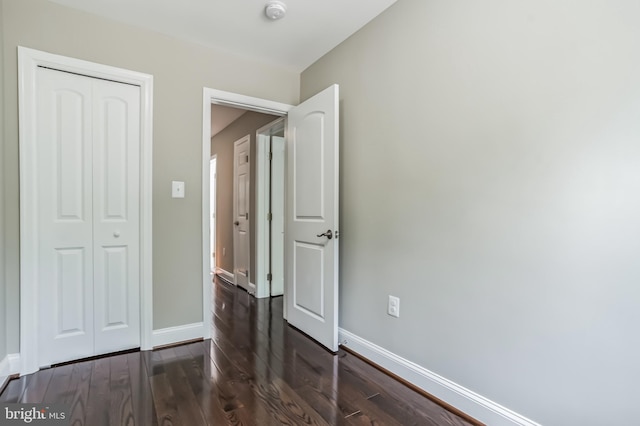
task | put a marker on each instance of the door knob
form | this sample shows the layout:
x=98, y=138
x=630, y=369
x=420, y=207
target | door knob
x=328, y=234
x=116, y=234
x=236, y=223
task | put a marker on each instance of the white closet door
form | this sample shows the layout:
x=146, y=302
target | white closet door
x=88, y=206
x=65, y=211
x=116, y=188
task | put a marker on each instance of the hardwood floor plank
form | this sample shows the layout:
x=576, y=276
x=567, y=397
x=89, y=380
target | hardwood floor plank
x=200, y=380
x=14, y=390
x=188, y=408
x=164, y=401
x=99, y=390
x=56, y=390
x=78, y=393
x=38, y=385
x=120, y=401
x=141, y=395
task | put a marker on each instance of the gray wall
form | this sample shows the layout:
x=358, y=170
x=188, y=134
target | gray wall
x=180, y=71
x=222, y=146
x=490, y=178
x=3, y=305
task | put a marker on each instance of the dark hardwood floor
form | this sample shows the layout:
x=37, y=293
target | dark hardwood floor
x=255, y=370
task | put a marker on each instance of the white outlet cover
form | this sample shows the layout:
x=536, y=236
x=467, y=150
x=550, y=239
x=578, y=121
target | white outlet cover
x=393, y=308
x=177, y=189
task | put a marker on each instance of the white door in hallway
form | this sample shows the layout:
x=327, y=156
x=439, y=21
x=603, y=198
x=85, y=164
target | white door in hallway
x=311, y=232
x=88, y=159
x=241, y=220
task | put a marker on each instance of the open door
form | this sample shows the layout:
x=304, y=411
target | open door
x=311, y=232
x=241, y=187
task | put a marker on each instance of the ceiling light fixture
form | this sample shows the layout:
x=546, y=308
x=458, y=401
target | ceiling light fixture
x=275, y=10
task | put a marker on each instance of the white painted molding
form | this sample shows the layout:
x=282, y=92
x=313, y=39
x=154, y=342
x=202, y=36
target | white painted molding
x=28, y=62
x=262, y=226
x=181, y=333
x=458, y=396
x=9, y=366
x=225, y=275
x=14, y=363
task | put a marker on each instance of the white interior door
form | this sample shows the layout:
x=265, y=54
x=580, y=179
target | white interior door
x=116, y=215
x=311, y=231
x=88, y=137
x=241, y=187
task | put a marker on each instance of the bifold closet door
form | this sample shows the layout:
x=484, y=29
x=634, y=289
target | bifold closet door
x=88, y=148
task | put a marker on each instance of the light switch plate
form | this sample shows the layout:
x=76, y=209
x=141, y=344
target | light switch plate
x=177, y=189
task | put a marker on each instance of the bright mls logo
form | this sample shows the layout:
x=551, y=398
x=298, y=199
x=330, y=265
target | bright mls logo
x=34, y=414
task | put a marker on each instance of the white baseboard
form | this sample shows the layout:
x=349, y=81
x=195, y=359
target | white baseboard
x=225, y=275
x=181, y=333
x=469, y=402
x=9, y=366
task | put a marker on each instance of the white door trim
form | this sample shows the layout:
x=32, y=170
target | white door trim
x=28, y=62
x=220, y=97
x=263, y=178
x=213, y=220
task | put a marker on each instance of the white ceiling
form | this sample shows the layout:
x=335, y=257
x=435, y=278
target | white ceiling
x=310, y=29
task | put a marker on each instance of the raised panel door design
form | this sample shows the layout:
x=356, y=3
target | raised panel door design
x=116, y=283
x=241, y=203
x=65, y=250
x=311, y=257
x=88, y=156
x=116, y=109
x=308, y=278
x=114, y=145
x=69, y=182
x=69, y=284
x=309, y=167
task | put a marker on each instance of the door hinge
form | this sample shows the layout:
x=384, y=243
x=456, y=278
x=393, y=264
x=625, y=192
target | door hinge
x=269, y=277
x=270, y=156
x=246, y=216
x=269, y=216
x=247, y=158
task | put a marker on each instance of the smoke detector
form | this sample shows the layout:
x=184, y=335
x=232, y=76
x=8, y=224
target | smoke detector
x=275, y=10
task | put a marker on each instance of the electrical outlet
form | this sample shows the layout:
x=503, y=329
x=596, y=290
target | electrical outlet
x=393, y=308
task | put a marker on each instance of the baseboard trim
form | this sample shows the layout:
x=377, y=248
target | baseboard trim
x=9, y=367
x=465, y=400
x=225, y=275
x=173, y=335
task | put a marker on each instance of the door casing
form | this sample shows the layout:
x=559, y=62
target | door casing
x=264, y=192
x=28, y=62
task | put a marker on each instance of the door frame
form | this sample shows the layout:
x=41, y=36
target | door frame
x=213, y=221
x=235, y=100
x=28, y=62
x=263, y=195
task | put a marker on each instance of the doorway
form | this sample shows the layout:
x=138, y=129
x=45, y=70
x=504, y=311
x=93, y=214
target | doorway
x=238, y=198
x=312, y=205
x=213, y=99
